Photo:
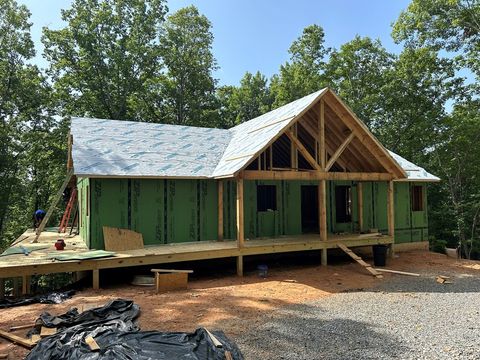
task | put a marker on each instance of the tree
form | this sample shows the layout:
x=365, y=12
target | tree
x=251, y=99
x=452, y=25
x=25, y=121
x=188, y=87
x=358, y=72
x=102, y=60
x=304, y=74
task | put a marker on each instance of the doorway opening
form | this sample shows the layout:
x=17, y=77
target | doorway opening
x=309, y=198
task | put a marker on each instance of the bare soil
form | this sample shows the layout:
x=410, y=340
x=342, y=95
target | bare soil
x=234, y=304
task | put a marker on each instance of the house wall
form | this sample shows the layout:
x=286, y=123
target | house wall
x=83, y=188
x=173, y=211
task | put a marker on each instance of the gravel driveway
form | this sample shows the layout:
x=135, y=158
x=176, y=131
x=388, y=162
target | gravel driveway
x=403, y=318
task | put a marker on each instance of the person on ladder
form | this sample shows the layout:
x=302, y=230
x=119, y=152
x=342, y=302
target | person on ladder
x=38, y=217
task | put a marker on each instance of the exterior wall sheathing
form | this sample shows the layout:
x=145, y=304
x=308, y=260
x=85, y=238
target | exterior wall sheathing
x=173, y=211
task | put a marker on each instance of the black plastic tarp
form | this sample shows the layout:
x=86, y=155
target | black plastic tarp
x=114, y=329
x=51, y=298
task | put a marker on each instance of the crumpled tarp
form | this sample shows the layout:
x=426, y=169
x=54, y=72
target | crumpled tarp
x=114, y=329
x=51, y=298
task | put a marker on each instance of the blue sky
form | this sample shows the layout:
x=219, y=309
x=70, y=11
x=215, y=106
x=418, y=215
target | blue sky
x=253, y=35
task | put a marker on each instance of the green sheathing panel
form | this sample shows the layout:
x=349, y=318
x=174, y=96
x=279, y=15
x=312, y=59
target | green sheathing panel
x=109, y=207
x=410, y=226
x=83, y=188
x=229, y=209
x=148, y=210
x=164, y=211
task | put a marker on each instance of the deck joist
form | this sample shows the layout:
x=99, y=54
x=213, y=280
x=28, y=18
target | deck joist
x=38, y=263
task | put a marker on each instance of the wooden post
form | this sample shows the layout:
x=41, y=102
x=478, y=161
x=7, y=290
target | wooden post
x=220, y=210
x=240, y=265
x=240, y=230
x=26, y=284
x=390, y=209
x=391, y=215
x=360, y=205
x=324, y=260
x=96, y=279
x=16, y=288
x=322, y=221
x=322, y=135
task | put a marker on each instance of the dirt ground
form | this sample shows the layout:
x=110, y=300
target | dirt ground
x=233, y=304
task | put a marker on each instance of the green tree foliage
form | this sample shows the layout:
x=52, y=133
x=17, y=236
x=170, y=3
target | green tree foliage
x=452, y=25
x=188, y=86
x=251, y=99
x=304, y=73
x=103, y=59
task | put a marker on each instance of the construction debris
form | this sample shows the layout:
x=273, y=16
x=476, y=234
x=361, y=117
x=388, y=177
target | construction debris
x=17, y=339
x=359, y=260
x=443, y=280
x=397, y=272
x=51, y=298
x=113, y=330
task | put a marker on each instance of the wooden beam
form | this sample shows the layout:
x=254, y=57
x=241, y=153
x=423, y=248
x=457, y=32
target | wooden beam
x=56, y=199
x=302, y=150
x=314, y=175
x=339, y=151
x=360, y=205
x=240, y=230
x=220, y=211
x=322, y=209
x=96, y=279
x=240, y=265
x=17, y=339
x=322, y=135
x=26, y=284
x=390, y=209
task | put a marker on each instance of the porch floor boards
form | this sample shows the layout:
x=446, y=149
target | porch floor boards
x=38, y=262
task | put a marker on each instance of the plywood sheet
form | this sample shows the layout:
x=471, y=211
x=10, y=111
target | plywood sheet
x=117, y=239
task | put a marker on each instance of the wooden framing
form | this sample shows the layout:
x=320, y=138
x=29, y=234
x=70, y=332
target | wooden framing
x=322, y=209
x=339, y=151
x=314, y=175
x=220, y=210
x=240, y=229
x=321, y=140
x=360, y=206
x=299, y=146
x=391, y=209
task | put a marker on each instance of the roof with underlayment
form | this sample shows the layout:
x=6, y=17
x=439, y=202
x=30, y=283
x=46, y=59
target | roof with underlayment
x=113, y=148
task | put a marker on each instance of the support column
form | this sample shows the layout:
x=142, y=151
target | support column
x=391, y=214
x=240, y=265
x=96, y=279
x=26, y=285
x=240, y=230
x=360, y=205
x=220, y=210
x=322, y=212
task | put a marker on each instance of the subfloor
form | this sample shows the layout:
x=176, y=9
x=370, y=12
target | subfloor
x=257, y=312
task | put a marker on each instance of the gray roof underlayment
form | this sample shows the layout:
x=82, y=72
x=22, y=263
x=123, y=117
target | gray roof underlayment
x=114, y=148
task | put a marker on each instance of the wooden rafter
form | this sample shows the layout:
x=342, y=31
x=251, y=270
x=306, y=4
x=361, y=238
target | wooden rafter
x=315, y=175
x=321, y=141
x=339, y=151
x=297, y=143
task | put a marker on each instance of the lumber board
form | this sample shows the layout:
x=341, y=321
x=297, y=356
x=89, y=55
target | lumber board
x=305, y=153
x=17, y=339
x=228, y=355
x=214, y=339
x=397, y=272
x=92, y=344
x=21, y=327
x=171, y=271
x=339, y=151
x=46, y=331
x=359, y=260
x=170, y=281
x=117, y=239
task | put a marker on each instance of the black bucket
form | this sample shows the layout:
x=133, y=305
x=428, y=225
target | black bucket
x=380, y=255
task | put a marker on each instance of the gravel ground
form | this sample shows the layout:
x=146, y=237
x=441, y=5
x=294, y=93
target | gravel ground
x=403, y=318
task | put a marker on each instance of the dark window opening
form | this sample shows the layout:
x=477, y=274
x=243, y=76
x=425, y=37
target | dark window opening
x=253, y=165
x=343, y=202
x=417, y=198
x=266, y=198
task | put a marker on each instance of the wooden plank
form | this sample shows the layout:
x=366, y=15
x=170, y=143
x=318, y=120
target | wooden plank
x=391, y=210
x=322, y=209
x=360, y=205
x=297, y=143
x=17, y=339
x=360, y=261
x=21, y=327
x=54, y=203
x=46, y=331
x=228, y=355
x=117, y=239
x=92, y=344
x=26, y=284
x=240, y=265
x=214, y=339
x=339, y=151
x=171, y=271
x=322, y=135
x=240, y=229
x=314, y=175
x=220, y=211
x=171, y=281
x=397, y=272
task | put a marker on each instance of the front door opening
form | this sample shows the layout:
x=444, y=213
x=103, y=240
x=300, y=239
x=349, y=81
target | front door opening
x=310, y=209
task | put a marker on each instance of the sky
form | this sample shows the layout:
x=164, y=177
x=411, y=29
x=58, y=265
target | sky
x=251, y=35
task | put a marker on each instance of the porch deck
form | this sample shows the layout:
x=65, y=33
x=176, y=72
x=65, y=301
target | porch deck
x=40, y=261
